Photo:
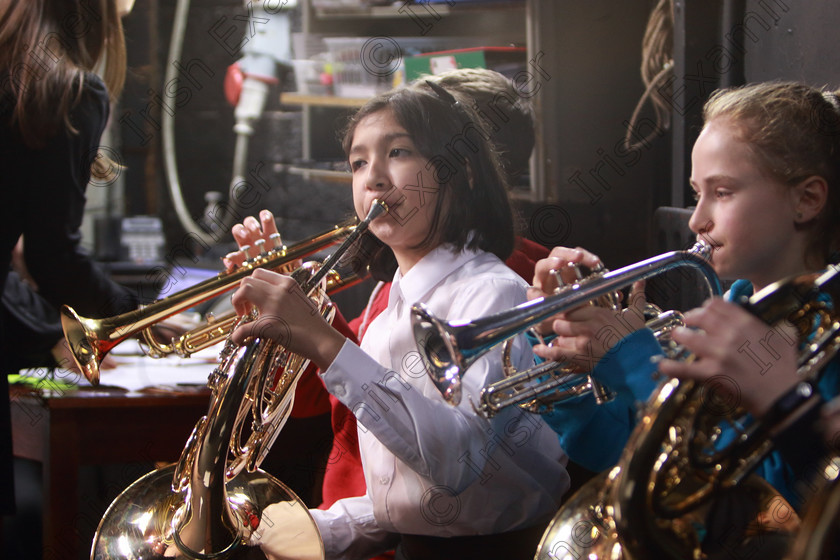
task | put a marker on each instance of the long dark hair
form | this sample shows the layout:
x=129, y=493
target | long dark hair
x=474, y=209
x=46, y=48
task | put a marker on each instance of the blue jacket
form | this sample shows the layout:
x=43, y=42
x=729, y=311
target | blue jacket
x=594, y=435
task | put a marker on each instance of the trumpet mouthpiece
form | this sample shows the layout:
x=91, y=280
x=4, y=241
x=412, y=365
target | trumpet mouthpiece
x=377, y=208
x=702, y=248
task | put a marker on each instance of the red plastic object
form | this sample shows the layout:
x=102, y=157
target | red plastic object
x=234, y=77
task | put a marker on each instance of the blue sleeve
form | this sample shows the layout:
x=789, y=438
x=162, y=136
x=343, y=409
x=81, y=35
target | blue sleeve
x=628, y=367
x=594, y=435
x=791, y=466
x=778, y=472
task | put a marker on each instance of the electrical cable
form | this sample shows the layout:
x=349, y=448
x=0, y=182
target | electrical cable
x=176, y=43
x=657, y=65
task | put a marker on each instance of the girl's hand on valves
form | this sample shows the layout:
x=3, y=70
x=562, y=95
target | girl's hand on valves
x=286, y=315
x=558, y=266
x=585, y=334
x=750, y=362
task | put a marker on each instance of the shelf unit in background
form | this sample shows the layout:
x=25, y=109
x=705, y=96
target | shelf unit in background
x=505, y=22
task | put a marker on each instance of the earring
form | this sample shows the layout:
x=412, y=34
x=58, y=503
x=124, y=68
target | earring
x=799, y=215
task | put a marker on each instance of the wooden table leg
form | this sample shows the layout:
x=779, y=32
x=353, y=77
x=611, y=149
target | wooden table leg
x=61, y=477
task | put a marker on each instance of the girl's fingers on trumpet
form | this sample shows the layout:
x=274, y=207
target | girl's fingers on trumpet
x=560, y=263
x=548, y=272
x=248, y=233
x=233, y=260
x=637, y=298
x=254, y=229
x=586, y=334
x=269, y=226
x=573, y=350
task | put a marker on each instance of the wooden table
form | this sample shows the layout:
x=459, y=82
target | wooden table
x=94, y=427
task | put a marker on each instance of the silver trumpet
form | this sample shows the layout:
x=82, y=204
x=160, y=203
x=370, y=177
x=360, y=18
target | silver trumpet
x=539, y=388
x=449, y=348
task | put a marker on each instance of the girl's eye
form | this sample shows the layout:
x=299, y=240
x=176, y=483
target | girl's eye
x=695, y=195
x=356, y=164
x=398, y=152
x=722, y=193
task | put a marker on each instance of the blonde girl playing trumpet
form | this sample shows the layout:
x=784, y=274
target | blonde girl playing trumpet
x=765, y=172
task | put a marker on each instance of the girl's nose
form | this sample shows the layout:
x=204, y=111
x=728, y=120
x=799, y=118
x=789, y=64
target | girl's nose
x=377, y=176
x=700, y=221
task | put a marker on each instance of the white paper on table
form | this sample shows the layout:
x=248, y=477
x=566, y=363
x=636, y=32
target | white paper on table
x=136, y=371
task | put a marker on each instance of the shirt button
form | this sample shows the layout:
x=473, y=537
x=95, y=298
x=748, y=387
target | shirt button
x=339, y=391
x=384, y=479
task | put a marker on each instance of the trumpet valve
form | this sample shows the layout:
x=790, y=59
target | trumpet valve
x=246, y=250
x=260, y=244
x=601, y=393
x=276, y=242
x=558, y=278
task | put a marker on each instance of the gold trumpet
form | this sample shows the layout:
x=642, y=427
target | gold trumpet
x=91, y=339
x=448, y=349
x=216, y=499
x=216, y=329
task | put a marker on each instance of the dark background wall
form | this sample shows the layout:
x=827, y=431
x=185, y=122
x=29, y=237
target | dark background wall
x=801, y=44
x=599, y=195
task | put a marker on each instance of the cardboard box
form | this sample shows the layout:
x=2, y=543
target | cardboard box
x=506, y=60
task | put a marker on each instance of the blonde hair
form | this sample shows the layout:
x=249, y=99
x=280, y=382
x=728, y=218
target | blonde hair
x=46, y=48
x=794, y=131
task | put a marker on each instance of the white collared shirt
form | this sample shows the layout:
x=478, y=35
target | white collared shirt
x=432, y=468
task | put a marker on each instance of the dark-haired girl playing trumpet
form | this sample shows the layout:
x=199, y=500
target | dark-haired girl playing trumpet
x=441, y=480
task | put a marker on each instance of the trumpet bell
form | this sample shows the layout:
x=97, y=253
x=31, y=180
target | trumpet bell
x=141, y=522
x=84, y=342
x=91, y=339
x=443, y=360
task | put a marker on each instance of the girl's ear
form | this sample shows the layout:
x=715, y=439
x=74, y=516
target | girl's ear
x=810, y=197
